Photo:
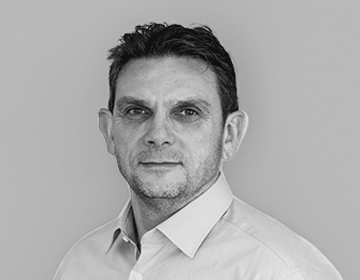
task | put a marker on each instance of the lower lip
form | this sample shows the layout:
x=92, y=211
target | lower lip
x=160, y=165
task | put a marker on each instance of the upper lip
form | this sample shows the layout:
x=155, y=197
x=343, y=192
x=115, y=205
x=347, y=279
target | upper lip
x=159, y=162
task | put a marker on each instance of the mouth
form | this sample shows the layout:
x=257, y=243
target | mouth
x=161, y=164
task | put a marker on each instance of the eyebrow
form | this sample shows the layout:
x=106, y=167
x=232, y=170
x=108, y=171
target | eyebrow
x=180, y=103
x=193, y=101
x=130, y=100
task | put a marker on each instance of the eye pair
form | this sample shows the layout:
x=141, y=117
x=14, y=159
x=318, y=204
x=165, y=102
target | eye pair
x=142, y=112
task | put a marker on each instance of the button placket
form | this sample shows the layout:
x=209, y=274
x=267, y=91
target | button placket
x=138, y=276
x=152, y=244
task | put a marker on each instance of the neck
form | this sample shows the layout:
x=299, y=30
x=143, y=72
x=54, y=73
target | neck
x=150, y=212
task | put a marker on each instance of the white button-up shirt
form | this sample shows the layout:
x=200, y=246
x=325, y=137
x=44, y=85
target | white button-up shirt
x=216, y=236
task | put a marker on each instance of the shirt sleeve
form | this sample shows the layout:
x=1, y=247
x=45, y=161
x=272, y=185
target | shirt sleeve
x=301, y=275
x=297, y=276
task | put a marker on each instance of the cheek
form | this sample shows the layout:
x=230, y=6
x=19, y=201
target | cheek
x=125, y=140
x=203, y=145
x=198, y=146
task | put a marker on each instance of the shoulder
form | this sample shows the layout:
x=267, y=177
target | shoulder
x=279, y=242
x=99, y=238
x=86, y=250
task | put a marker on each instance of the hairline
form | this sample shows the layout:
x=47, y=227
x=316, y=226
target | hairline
x=207, y=64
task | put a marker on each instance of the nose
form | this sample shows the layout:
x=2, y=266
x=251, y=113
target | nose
x=159, y=132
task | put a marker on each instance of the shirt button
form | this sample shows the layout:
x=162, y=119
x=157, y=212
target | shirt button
x=126, y=240
x=138, y=276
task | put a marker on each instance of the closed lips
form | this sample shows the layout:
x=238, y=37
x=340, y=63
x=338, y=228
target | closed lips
x=160, y=163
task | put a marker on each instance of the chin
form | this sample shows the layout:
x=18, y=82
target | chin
x=162, y=191
x=162, y=187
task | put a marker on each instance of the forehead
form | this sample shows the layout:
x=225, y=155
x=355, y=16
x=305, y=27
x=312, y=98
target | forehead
x=168, y=79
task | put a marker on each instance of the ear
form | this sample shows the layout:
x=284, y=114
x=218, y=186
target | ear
x=105, y=124
x=234, y=131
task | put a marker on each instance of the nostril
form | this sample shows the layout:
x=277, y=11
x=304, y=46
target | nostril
x=158, y=137
x=158, y=142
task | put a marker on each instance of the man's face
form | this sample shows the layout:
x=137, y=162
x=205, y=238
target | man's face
x=167, y=127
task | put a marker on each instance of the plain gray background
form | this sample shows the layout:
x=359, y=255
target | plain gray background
x=298, y=67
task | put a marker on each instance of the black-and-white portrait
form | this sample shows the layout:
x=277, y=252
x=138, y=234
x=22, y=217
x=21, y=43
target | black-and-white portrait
x=179, y=140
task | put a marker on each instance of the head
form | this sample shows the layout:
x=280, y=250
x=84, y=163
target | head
x=173, y=112
x=161, y=40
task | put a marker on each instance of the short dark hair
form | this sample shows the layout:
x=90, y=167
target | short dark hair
x=155, y=40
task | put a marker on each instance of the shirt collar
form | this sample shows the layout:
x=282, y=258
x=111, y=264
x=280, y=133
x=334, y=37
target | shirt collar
x=127, y=222
x=188, y=227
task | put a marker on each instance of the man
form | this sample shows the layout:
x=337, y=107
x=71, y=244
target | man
x=173, y=116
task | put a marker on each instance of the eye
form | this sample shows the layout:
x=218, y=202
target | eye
x=188, y=112
x=135, y=111
x=187, y=115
